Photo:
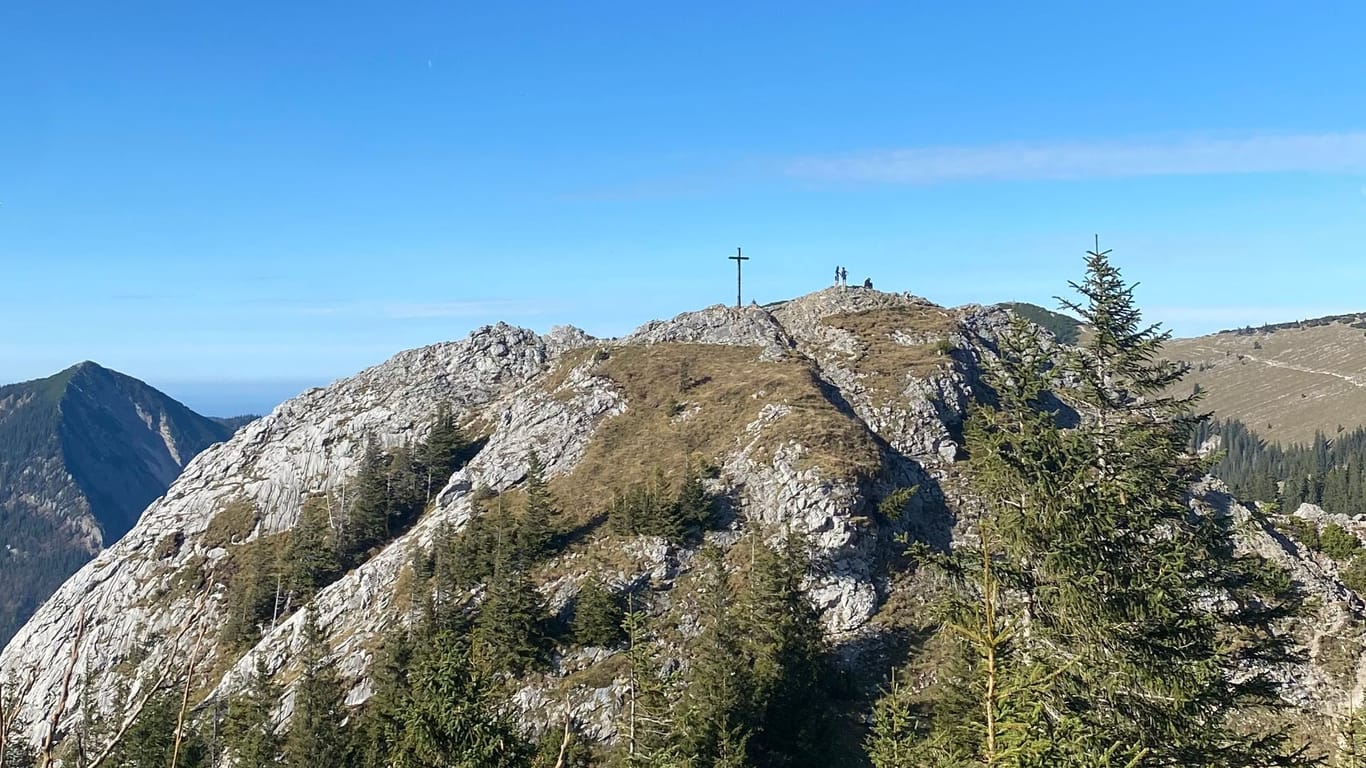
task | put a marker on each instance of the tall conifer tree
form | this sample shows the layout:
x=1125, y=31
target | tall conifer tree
x=509, y=632
x=448, y=719
x=716, y=708
x=534, y=532
x=367, y=515
x=316, y=735
x=444, y=450
x=250, y=724
x=786, y=646
x=647, y=737
x=312, y=554
x=1106, y=573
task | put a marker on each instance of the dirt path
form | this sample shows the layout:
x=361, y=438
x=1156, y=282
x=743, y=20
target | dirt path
x=1355, y=381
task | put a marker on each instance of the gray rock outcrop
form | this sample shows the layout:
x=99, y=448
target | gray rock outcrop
x=890, y=374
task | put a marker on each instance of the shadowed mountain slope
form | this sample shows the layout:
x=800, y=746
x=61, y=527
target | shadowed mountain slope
x=82, y=453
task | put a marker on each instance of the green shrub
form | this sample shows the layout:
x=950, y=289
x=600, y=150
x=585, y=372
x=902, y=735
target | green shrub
x=1337, y=542
x=1354, y=574
x=598, y=616
x=1300, y=530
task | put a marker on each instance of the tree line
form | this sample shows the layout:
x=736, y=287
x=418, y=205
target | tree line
x=268, y=578
x=1329, y=472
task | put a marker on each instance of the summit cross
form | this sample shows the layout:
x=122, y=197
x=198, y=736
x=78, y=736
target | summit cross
x=739, y=264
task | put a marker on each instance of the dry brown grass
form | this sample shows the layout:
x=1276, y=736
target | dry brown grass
x=232, y=524
x=1285, y=385
x=690, y=403
x=887, y=363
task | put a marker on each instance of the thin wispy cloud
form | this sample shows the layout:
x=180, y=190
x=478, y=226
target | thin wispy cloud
x=421, y=311
x=1076, y=160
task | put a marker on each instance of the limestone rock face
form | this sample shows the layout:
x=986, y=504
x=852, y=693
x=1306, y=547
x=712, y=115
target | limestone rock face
x=1333, y=679
x=853, y=394
x=128, y=596
x=740, y=326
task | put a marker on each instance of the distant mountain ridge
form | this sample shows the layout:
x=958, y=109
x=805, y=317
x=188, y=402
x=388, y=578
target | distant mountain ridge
x=1065, y=329
x=82, y=453
x=1355, y=319
x=234, y=423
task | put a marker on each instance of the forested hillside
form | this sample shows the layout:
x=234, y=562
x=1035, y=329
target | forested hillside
x=1329, y=471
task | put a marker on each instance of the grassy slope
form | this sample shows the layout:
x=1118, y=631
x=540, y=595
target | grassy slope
x=1286, y=383
x=692, y=402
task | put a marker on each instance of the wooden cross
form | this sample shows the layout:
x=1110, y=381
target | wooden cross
x=739, y=262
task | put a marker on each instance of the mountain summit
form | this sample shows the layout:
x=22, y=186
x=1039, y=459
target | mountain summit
x=642, y=466
x=82, y=453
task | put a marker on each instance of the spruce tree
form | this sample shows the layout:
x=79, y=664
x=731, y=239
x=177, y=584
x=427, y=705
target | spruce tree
x=895, y=739
x=368, y=513
x=444, y=450
x=448, y=719
x=316, y=735
x=785, y=646
x=648, y=736
x=1135, y=566
x=150, y=739
x=250, y=724
x=598, y=616
x=509, y=632
x=715, y=721
x=447, y=561
x=651, y=508
x=694, y=506
x=254, y=595
x=1351, y=751
x=312, y=552
x=406, y=492
x=1106, y=574
x=381, y=719
x=534, y=533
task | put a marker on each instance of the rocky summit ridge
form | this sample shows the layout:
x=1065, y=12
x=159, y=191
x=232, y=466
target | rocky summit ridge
x=814, y=412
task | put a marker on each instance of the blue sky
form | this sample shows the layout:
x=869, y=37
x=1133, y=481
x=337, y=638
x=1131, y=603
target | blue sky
x=231, y=199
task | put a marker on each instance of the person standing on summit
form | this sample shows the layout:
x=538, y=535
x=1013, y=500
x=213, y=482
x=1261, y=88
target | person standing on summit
x=837, y=276
x=844, y=276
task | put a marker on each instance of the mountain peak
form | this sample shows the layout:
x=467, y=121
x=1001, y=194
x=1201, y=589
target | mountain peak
x=82, y=453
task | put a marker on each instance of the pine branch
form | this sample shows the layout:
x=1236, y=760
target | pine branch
x=185, y=696
x=132, y=715
x=49, y=741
